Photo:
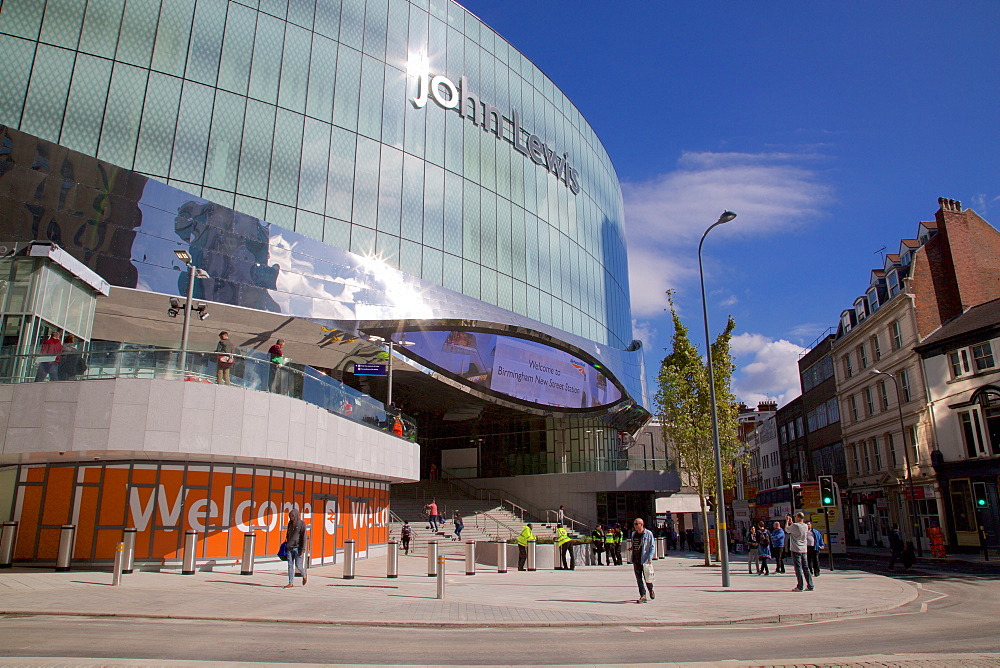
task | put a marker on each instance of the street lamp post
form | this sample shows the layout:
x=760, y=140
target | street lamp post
x=193, y=272
x=392, y=344
x=914, y=520
x=720, y=506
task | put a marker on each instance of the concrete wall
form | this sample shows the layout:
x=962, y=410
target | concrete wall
x=172, y=419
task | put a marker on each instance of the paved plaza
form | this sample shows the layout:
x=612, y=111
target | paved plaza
x=688, y=593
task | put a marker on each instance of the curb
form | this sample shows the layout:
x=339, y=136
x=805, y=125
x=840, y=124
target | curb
x=766, y=619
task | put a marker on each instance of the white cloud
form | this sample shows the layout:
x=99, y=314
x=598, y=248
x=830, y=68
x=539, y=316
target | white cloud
x=666, y=215
x=765, y=369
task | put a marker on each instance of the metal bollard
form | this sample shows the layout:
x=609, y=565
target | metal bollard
x=470, y=557
x=556, y=558
x=348, y=559
x=116, y=575
x=392, y=562
x=531, y=554
x=501, y=557
x=432, y=556
x=7, y=541
x=249, y=543
x=67, y=536
x=190, y=545
x=440, y=576
x=661, y=547
x=128, y=563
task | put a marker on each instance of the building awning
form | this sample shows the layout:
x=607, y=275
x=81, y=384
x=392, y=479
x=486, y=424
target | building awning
x=70, y=264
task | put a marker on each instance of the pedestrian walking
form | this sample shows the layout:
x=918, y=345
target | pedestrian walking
x=565, y=546
x=936, y=538
x=763, y=548
x=778, y=547
x=432, y=515
x=561, y=516
x=642, y=559
x=405, y=534
x=597, y=542
x=522, y=546
x=752, y=566
x=797, y=537
x=816, y=545
x=895, y=546
x=295, y=545
x=459, y=525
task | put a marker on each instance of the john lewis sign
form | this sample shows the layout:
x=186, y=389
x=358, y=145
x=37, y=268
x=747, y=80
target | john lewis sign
x=447, y=95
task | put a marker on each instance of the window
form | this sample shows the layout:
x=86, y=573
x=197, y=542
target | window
x=959, y=363
x=870, y=401
x=914, y=445
x=854, y=408
x=868, y=461
x=890, y=445
x=873, y=299
x=961, y=505
x=782, y=438
x=862, y=357
x=884, y=395
x=848, y=367
x=878, y=454
x=854, y=456
x=876, y=348
x=983, y=356
x=904, y=384
x=799, y=431
x=972, y=433
x=892, y=281
x=832, y=411
x=860, y=308
x=896, y=334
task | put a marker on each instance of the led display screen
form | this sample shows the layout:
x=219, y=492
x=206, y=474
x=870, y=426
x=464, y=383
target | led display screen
x=525, y=370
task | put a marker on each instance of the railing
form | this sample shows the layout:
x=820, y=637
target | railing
x=552, y=517
x=521, y=509
x=496, y=524
x=251, y=370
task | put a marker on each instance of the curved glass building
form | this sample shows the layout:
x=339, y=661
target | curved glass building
x=336, y=170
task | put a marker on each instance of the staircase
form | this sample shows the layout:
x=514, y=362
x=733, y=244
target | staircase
x=484, y=520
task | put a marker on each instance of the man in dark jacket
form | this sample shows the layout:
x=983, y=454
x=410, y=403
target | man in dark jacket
x=895, y=546
x=295, y=544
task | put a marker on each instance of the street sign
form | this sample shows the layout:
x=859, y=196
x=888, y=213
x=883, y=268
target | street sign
x=369, y=369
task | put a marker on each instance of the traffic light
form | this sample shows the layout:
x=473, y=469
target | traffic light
x=980, y=499
x=826, y=492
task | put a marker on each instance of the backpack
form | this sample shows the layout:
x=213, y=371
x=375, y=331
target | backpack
x=407, y=531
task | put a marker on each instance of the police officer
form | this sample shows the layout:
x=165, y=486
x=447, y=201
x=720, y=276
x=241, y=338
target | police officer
x=565, y=547
x=618, y=535
x=609, y=547
x=522, y=546
x=597, y=542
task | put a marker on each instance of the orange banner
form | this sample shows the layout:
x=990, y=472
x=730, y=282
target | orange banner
x=221, y=503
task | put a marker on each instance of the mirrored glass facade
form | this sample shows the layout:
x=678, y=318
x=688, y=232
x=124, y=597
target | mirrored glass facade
x=299, y=112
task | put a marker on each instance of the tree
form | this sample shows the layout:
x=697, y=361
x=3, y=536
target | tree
x=685, y=412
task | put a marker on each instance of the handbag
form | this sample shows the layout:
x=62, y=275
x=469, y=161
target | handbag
x=283, y=551
x=226, y=360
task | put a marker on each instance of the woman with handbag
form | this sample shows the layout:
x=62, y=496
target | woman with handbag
x=295, y=547
x=225, y=362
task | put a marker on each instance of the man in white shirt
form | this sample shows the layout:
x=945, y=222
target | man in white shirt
x=797, y=540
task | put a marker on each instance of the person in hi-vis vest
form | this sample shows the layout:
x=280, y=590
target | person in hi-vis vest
x=522, y=546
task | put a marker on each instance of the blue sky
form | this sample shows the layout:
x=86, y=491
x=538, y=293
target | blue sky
x=831, y=129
